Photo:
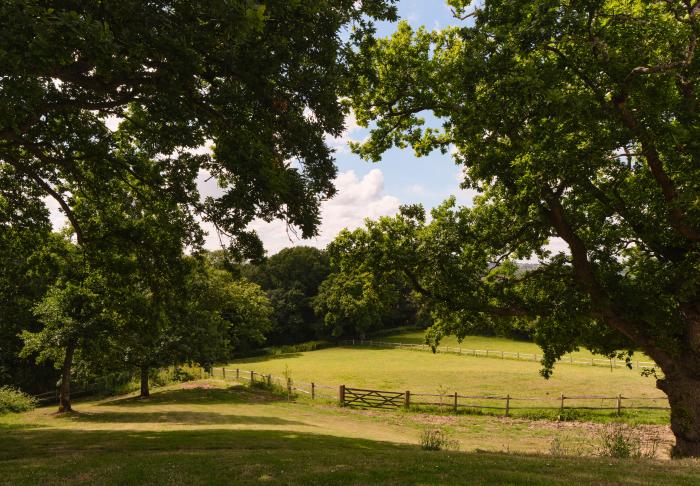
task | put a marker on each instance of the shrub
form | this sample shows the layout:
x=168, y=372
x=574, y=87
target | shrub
x=13, y=400
x=436, y=439
x=627, y=442
x=566, y=446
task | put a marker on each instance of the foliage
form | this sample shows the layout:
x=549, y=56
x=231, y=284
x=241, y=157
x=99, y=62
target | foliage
x=241, y=76
x=623, y=441
x=572, y=120
x=437, y=439
x=13, y=400
x=291, y=279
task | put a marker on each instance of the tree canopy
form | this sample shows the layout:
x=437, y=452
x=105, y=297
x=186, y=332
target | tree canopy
x=257, y=81
x=572, y=120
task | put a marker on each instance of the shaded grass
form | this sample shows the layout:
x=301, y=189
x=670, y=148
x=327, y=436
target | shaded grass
x=249, y=457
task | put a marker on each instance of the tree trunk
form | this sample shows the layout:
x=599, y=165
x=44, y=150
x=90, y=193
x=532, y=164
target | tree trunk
x=684, y=397
x=64, y=404
x=145, y=392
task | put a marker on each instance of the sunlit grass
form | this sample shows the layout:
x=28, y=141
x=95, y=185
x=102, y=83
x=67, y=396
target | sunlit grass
x=229, y=434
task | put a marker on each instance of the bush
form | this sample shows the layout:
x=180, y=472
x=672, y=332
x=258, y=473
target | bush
x=436, y=439
x=13, y=400
x=627, y=442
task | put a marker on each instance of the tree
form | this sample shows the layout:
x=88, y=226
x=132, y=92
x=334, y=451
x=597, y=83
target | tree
x=577, y=121
x=74, y=316
x=259, y=81
x=359, y=295
x=291, y=279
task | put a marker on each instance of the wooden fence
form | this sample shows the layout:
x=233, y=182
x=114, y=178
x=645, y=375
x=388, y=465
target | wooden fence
x=388, y=399
x=492, y=353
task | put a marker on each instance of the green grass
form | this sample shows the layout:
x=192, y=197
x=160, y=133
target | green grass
x=424, y=372
x=494, y=344
x=236, y=435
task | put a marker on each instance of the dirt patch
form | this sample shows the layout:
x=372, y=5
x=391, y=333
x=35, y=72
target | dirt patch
x=193, y=385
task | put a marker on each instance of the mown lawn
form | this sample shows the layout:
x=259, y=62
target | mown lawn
x=233, y=435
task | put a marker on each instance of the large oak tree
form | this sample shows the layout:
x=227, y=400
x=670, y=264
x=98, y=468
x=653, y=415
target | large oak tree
x=577, y=120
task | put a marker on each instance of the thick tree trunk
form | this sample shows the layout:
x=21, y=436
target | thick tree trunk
x=64, y=392
x=145, y=392
x=684, y=397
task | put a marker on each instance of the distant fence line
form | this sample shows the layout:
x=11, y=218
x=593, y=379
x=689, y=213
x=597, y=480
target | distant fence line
x=367, y=398
x=490, y=353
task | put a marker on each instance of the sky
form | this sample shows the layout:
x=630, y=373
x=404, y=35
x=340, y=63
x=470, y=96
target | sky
x=370, y=190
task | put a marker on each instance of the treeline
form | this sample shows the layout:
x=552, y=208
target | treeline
x=69, y=315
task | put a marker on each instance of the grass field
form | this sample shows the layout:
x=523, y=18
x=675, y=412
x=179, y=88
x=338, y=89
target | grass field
x=492, y=343
x=223, y=434
x=424, y=372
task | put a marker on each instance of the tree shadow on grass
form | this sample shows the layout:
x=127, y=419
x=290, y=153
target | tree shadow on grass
x=179, y=417
x=260, y=359
x=199, y=396
x=211, y=456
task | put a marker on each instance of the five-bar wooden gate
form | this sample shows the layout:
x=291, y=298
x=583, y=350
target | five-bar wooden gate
x=359, y=397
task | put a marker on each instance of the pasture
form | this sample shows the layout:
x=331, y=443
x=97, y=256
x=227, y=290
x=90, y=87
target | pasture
x=446, y=373
x=209, y=432
x=493, y=343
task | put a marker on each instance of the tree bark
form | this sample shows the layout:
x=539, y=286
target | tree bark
x=684, y=397
x=145, y=392
x=64, y=392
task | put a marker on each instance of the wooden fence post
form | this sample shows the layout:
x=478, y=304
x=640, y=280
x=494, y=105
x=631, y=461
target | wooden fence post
x=508, y=405
x=561, y=409
x=341, y=395
x=407, y=400
x=313, y=390
x=269, y=380
x=289, y=388
x=237, y=373
x=619, y=404
x=223, y=372
x=252, y=377
x=455, y=402
x=501, y=354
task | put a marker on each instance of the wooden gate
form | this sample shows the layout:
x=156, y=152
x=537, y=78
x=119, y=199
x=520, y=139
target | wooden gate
x=371, y=398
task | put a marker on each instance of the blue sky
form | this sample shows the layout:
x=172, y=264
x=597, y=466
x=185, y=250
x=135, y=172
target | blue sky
x=367, y=189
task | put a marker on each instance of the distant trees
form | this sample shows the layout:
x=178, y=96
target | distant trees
x=355, y=299
x=291, y=279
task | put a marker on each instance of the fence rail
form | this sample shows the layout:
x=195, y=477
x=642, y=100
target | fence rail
x=390, y=399
x=493, y=353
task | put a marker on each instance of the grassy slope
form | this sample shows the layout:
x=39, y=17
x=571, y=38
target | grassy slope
x=234, y=435
x=418, y=371
x=491, y=343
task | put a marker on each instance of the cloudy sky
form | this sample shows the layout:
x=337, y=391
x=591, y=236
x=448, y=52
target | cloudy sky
x=369, y=190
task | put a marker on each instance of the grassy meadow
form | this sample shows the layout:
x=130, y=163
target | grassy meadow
x=446, y=373
x=492, y=343
x=211, y=432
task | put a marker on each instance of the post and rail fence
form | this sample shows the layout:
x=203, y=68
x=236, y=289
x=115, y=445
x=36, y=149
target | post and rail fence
x=389, y=399
x=492, y=353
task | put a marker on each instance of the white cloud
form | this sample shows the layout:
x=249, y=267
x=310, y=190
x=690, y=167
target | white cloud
x=356, y=200
x=56, y=216
x=416, y=190
x=464, y=197
x=340, y=144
